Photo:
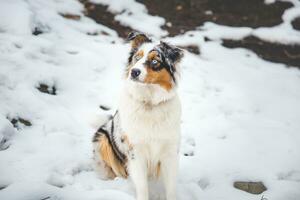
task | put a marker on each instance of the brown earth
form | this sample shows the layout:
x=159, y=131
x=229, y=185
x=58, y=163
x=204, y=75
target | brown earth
x=19, y=120
x=296, y=23
x=44, y=88
x=185, y=15
x=250, y=187
x=275, y=52
x=188, y=14
x=101, y=15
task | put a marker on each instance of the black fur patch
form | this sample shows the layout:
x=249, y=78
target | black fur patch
x=109, y=134
x=169, y=55
x=131, y=54
x=99, y=132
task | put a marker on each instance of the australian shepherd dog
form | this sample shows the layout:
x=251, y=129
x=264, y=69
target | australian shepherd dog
x=141, y=140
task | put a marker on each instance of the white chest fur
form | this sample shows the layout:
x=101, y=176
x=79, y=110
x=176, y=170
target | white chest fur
x=145, y=123
x=152, y=130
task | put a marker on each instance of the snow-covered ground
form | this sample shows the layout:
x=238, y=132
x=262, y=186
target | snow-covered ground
x=241, y=114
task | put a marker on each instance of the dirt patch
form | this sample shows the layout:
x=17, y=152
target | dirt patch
x=3, y=187
x=101, y=15
x=45, y=198
x=70, y=16
x=192, y=49
x=275, y=52
x=296, y=23
x=182, y=16
x=250, y=187
x=44, y=88
x=102, y=107
x=37, y=31
x=4, y=144
x=186, y=15
x=17, y=121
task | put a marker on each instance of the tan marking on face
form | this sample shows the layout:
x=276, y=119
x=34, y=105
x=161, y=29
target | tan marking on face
x=161, y=77
x=109, y=157
x=153, y=55
x=139, y=53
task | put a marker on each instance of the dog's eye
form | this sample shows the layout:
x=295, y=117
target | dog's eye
x=154, y=62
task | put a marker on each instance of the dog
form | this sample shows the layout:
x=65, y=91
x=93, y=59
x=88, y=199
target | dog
x=141, y=140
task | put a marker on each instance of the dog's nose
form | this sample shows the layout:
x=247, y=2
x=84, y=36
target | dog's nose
x=135, y=73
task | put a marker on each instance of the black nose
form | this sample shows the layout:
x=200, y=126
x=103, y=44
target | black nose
x=135, y=73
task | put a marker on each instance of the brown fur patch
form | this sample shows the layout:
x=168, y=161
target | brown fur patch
x=153, y=55
x=139, y=53
x=162, y=77
x=110, y=159
x=138, y=41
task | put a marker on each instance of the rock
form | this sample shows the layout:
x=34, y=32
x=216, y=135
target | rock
x=104, y=107
x=70, y=16
x=250, y=187
x=3, y=187
x=190, y=153
x=47, y=89
x=19, y=122
x=37, y=31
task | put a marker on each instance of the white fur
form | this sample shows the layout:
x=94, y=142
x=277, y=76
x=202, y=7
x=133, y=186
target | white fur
x=150, y=117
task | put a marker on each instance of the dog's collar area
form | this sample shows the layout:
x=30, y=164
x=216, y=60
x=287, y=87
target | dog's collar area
x=148, y=105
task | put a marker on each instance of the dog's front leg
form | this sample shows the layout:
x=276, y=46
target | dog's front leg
x=169, y=168
x=138, y=174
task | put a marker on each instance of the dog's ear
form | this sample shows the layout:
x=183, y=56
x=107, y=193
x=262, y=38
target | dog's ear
x=137, y=39
x=172, y=53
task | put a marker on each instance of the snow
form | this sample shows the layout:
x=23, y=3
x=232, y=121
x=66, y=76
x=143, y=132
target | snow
x=22, y=13
x=133, y=14
x=216, y=32
x=240, y=113
x=283, y=33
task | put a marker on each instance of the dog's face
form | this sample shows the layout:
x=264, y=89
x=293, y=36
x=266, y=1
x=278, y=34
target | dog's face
x=151, y=63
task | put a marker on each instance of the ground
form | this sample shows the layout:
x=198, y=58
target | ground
x=61, y=68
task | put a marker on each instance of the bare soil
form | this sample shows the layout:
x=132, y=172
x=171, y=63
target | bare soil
x=296, y=23
x=101, y=15
x=185, y=15
x=275, y=52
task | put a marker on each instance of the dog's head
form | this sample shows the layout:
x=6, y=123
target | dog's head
x=152, y=63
